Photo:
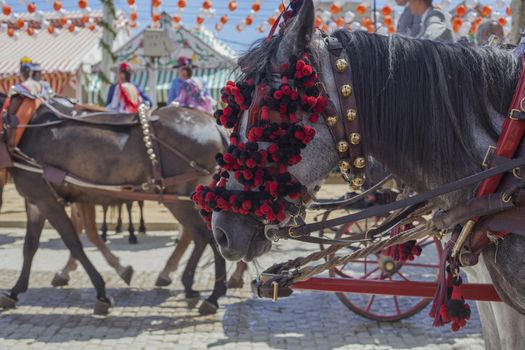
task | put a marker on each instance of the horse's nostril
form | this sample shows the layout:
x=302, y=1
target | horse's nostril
x=221, y=238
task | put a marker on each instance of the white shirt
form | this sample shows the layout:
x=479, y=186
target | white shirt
x=425, y=14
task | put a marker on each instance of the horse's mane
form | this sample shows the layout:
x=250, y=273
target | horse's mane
x=425, y=102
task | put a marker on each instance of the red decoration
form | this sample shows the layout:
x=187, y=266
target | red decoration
x=461, y=10
x=361, y=9
x=256, y=7
x=181, y=3
x=206, y=5
x=335, y=9
x=199, y=20
x=131, y=2
x=57, y=5
x=386, y=10
x=6, y=10
x=31, y=8
x=176, y=19
x=51, y=29
x=20, y=23
x=155, y=17
x=133, y=16
x=30, y=31
x=10, y=32
x=248, y=21
x=232, y=6
x=486, y=11
x=224, y=19
x=82, y=4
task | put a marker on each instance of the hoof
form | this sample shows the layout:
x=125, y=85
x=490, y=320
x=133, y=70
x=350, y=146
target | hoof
x=235, y=283
x=133, y=240
x=208, y=308
x=104, y=238
x=192, y=299
x=162, y=281
x=59, y=280
x=126, y=274
x=6, y=302
x=102, y=307
x=142, y=230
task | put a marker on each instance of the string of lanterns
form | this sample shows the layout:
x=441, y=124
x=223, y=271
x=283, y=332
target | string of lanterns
x=333, y=15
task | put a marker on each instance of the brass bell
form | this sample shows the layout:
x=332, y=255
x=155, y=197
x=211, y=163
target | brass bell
x=152, y=156
x=354, y=138
x=351, y=114
x=346, y=90
x=358, y=181
x=146, y=131
x=148, y=144
x=359, y=162
x=342, y=146
x=341, y=65
x=146, y=138
x=331, y=120
x=150, y=151
x=344, y=166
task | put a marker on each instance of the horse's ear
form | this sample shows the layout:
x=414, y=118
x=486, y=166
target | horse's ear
x=298, y=34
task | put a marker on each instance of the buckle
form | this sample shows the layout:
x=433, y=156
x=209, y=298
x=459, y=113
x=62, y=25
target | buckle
x=490, y=149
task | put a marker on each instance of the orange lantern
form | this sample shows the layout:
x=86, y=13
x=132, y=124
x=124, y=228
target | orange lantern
x=85, y=19
x=132, y=25
x=155, y=17
x=71, y=28
x=199, y=20
x=30, y=31
x=365, y=22
x=10, y=32
x=248, y=21
x=206, y=5
x=19, y=23
x=271, y=20
x=63, y=21
x=325, y=27
x=386, y=11
x=256, y=7
x=223, y=19
x=361, y=9
x=156, y=3
x=318, y=22
x=339, y=22
x=82, y=4
x=131, y=2
x=57, y=5
x=31, y=8
x=6, y=10
x=281, y=7
x=238, y=27
x=387, y=20
x=232, y=6
x=486, y=11
x=176, y=19
x=51, y=29
x=477, y=21
x=133, y=16
x=181, y=4
x=391, y=29
x=335, y=9
x=461, y=10
x=456, y=23
x=92, y=27
x=218, y=27
x=371, y=28
x=502, y=21
x=508, y=12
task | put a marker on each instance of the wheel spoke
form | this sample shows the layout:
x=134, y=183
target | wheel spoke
x=369, y=273
x=358, y=224
x=396, y=302
x=403, y=276
x=364, y=261
x=370, y=302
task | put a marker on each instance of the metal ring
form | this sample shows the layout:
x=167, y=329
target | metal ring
x=505, y=197
x=290, y=230
x=521, y=104
x=516, y=174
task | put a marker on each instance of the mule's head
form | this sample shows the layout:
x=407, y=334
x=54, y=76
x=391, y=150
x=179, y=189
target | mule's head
x=242, y=236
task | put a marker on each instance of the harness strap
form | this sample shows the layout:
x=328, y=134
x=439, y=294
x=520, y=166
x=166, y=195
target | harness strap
x=382, y=210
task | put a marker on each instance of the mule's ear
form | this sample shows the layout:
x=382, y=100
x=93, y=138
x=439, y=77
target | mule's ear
x=299, y=32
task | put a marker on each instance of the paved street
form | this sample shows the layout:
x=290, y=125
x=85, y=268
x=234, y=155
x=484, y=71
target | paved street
x=148, y=318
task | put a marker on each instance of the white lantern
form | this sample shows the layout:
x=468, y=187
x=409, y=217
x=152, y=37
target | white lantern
x=471, y=3
x=355, y=26
x=349, y=17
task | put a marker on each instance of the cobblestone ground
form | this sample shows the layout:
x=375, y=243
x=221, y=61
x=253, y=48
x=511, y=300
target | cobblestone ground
x=147, y=318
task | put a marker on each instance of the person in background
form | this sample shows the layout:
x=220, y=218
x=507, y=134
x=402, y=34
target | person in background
x=408, y=24
x=125, y=96
x=28, y=84
x=434, y=24
x=45, y=91
x=187, y=91
x=488, y=28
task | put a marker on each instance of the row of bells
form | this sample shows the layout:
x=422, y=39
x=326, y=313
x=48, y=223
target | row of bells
x=341, y=65
x=147, y=133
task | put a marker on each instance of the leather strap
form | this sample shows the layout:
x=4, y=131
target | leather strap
x=387, y=208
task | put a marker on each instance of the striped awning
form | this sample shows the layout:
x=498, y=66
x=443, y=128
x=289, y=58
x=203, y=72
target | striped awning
x=56, y=80
x=215, y=78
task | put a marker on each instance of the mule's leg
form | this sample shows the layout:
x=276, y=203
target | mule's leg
x=211, y=304
x=88, y=215
x=236, y=280
x=132, y=238
x=142, y=227
x=62, y=278
x=173, y=261
x=104, y=227
x=188, y=275
x=35, y=224
x=118, y=227
x=58, y=218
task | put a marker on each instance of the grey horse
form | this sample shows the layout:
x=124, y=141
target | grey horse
x=428, y=111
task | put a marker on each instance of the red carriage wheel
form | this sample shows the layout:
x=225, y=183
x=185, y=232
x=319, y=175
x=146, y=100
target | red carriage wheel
x=382, y=267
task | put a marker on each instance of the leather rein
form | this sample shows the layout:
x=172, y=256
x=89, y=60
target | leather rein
x=347, y=138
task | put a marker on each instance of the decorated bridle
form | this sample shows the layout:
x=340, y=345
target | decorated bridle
x=274, y=109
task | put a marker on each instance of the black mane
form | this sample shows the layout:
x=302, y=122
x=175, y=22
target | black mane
x=421, y=100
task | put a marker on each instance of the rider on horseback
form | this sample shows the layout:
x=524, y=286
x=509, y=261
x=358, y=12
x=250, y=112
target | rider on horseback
x=126, y=96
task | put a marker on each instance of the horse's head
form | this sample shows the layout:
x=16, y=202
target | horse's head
x=245, y=198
